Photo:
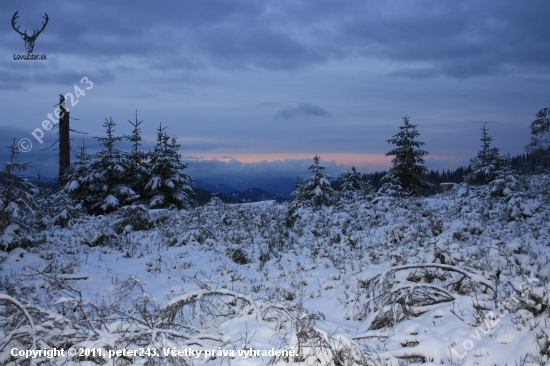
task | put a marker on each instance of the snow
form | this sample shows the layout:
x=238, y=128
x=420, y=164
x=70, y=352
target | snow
x=444, y=280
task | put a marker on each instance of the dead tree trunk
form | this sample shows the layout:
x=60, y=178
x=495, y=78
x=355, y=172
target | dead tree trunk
x=64, y=143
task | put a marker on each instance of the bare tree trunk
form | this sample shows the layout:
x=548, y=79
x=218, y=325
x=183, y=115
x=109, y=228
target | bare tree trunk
x=64, y=143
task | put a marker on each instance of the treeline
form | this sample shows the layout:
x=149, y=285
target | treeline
x=526, y=163
x=409, y=177
x=112, y=179
x=531, y=163
x=434, y=177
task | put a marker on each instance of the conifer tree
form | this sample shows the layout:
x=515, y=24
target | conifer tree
x=540, y=131
x=16, y=199
x=406, y=176
x=487, y=162
x=352, y=186
x=77, y=187
x=539, y=147
x=107, y=173
x=296, y=195
x=316, y=190
x=167, y=185
x=137, y=172
x=506, y=181
x=57, y=208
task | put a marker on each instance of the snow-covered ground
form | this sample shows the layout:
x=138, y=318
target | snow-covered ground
x=453, y=279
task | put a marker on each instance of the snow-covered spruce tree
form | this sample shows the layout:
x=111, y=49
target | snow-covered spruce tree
x=167, y=185
x=43, y=192
x=137, y=176
x=539, y=146
x=406, y=176
x=487, y=162
x=16, y=202
x=314, y=191
x=540, y=131
x=352, y=186
x=513, y=192
x=59, y=208
x=105, y=179
x=55, y=208
x=506, y=182
x=77, y=187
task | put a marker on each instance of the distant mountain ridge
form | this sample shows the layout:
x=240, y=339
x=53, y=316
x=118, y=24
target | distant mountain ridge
x=255, y=195
x=279, y=186
x=217, y=188
x=276, y=185
x=248, y=195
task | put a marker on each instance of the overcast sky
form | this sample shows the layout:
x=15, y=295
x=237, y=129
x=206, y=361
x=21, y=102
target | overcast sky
x=272, y=83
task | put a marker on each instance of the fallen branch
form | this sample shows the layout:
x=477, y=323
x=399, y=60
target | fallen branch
x=194, y=296
x=29, y=319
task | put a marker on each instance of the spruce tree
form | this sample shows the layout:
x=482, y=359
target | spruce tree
x=487, y=162
x=167, y=185
x=406, y=176
x=58, y=208
x=296, y=195
x=137, y=176
x=316, y=190
x=16, y=200
x=539, y=147
x=76, y=186
x=107, y=173
x=540, y=131
x=352, y=186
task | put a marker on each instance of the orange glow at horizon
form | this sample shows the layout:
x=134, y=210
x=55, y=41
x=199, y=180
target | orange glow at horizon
x=339, y=158
x=369, y=161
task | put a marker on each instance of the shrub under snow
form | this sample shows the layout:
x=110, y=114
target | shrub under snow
x=458, y=278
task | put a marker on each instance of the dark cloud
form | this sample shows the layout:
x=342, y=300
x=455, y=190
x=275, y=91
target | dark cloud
x=269, y=104
x=177, y=90
x=207, y=146
x=21, y=75
x=460, y=39
x=303, y=109
x=423, y=73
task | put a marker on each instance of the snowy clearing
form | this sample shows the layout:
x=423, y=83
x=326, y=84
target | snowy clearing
x=454, y=279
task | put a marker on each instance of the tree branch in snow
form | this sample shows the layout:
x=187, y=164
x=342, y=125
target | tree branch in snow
x=390, y=298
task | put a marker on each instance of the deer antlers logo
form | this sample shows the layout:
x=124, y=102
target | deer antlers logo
x=29, y=40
